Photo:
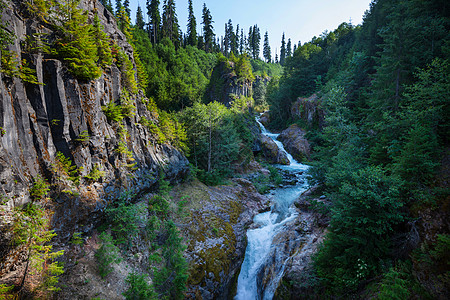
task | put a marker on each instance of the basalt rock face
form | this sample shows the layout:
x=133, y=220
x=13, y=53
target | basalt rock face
x=294, y=141
x=225, y=84
x=65, y=115
x=309, y=110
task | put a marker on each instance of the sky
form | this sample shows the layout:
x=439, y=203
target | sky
x=300, y=20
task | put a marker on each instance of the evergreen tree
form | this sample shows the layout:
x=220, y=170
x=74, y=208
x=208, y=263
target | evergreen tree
x=289, y=48
x=208, y=30
x=154, y=18
x=276, y=58
x=126, y=6
x=101, y=39
x=242, y=42
x=226, y=39
x=139, y=18
x=250, y=41
x=170, y=27
x=283, y=51
x=191, y=27
x=76, y=44
x=118, y=6
x=266, y=50
x=256, y=42
x=237, y=40
x=295, y=48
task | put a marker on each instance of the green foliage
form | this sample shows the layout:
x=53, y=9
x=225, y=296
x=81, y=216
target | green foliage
x=102, y=41
x=31, y=228
x=113, y=111
x=212, y=138
x=123, y=221
x=76, y=239
x=11, y=67
x=39, y=8
x=64, y=168
x=128, y=73
x=170, y=280
x=107, y=254
x=6, y=292
x=139, y=288
x=76, y=44
x=95, y=174
x=40, y=188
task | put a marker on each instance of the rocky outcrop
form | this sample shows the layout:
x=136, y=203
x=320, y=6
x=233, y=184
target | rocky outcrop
x=309, y=110
x=271, y=152
x=225, y=85
x=265, y=118
x=294, y=141
x=216, y=233
x=292, y=250
x=64, y=114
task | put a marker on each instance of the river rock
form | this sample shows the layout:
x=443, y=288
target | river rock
x=294, y=141
x=271, y=152
x=216, y=233
x=265, y=118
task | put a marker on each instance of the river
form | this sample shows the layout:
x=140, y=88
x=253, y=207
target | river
x=267, y=225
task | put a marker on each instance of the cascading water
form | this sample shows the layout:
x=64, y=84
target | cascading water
x=269, y=224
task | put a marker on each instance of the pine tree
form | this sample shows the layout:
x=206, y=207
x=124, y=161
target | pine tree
x=101, y=39
x=208, y=31
x=170, y=27
x=266, y=51
x=289, y=48
x=154, y=18
x=237, y=40
x=226, y=40
x=276, y=58
x=191, y=27
x=139, y=18
x=283, y=51
x=250, y=41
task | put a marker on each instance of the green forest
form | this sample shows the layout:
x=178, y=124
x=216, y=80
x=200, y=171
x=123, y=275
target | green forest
x=380, y=148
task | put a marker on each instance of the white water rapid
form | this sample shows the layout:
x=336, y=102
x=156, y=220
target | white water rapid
x=269, y=224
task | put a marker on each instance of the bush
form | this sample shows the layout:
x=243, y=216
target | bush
x=139, y=288
x=107, y=255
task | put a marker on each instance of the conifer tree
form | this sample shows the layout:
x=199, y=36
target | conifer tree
x=76, y=44
x=242, y=42
x=108, y=5
x=191, y=27
x=256, y=41
x=170, y=27
x=208, y=31
x=154, y=18
x=289, y=48
x=139, y=18
x=283, y=50
x=250, y=41
x=226, y=41
x=266, y=50
x=118, y=6
x=126, y=6
x=237, y=40
x=103, y=48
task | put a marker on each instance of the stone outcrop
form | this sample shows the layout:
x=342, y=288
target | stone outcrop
x=294, y=141
x=271, y=152
x=292, y=250
x=265, y=119
x=216, y=233
x=65, y=115
x=309, y=110
x=225, y=84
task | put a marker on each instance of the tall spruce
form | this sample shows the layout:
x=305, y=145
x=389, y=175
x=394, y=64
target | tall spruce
x=266, y=50
x=208, y=30
x=139, y=18
x=283, y=51
x=242, y=42
x=237, y=40
x=226, y=40
x=256, y=42
x=118, y=6
x=170, y=27
x=191, y=27
x=154, y=17
x=126, y=6
x=289, y=48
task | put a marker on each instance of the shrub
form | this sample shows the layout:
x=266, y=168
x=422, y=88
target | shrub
x=40, y=188
x=107, y=255
x=139, y=288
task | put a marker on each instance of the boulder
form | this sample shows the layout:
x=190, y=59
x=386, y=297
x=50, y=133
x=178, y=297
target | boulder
x=265, y=118
x=271, y=152
x=294, y=141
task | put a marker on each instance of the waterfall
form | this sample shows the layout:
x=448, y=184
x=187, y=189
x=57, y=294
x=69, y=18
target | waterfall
x=268, y=224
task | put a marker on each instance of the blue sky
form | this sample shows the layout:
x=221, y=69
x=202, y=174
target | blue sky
x=300, y=20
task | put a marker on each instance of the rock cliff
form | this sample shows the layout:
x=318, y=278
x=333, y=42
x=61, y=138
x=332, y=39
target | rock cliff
x=64, y=114
x=309, y=110
x=294, y=141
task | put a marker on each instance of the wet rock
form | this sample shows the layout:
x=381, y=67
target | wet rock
x=294, y=141
x=271, y=152
x=265, y=118
x=309, y=110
